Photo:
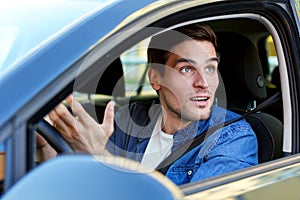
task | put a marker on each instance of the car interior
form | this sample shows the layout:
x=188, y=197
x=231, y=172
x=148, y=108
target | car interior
x=245, y=86
x=244, y=70
x=244, y=83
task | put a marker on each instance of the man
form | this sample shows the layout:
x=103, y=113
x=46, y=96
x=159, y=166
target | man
x=183, y=69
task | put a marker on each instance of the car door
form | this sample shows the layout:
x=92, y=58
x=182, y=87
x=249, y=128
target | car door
x=260, y=21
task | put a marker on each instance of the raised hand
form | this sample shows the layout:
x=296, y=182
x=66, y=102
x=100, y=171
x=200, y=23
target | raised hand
x=82, y=132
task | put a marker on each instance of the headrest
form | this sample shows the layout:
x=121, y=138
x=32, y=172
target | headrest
x=109, y=82
x=240, y=69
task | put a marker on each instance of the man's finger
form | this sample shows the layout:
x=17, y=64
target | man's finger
x=108, y=119
x=64, y=115
x=40, y=141
x=76, y=107
x=62, y=124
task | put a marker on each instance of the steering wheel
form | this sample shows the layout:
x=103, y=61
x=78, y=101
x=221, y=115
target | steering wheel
x=54, y=138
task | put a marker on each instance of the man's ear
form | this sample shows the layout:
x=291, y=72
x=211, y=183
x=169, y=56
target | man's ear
x=154, y=78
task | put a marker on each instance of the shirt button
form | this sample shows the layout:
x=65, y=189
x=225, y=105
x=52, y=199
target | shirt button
x=190, y=172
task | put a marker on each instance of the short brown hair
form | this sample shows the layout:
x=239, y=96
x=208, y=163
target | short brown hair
x=160, y=45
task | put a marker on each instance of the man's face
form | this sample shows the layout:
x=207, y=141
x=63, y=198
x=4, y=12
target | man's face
x=188, y=86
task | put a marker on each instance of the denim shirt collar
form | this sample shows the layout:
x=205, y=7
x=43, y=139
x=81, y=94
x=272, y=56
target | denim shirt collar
x=218, y=115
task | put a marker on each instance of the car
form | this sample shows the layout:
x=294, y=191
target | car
x=96, y=50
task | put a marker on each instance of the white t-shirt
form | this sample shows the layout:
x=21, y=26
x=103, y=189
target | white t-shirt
x=159, y=146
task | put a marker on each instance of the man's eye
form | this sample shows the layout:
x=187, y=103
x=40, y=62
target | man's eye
x=185, y=70
x=211, y=69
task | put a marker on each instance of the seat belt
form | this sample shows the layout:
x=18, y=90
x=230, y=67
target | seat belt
x=189, y=145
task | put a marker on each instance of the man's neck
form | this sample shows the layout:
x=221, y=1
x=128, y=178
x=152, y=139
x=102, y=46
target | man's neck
x=171, y=124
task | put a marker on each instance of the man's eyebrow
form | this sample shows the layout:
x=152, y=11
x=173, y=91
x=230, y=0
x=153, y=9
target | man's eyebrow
x=185, y=60
x=213, y=59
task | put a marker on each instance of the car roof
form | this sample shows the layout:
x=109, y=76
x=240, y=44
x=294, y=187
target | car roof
x=50, y=28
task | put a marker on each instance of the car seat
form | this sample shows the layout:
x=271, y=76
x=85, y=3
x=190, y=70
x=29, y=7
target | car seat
x=242, y=85
x=108, y=82
x=276, y=109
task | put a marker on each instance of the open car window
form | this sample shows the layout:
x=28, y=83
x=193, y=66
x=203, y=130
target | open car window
x=125, y=80
x=132, y=84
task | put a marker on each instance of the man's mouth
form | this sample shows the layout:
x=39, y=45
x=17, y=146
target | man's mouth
x=199, y=99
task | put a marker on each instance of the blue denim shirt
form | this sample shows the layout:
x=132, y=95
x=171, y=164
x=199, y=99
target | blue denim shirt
x=231, y=148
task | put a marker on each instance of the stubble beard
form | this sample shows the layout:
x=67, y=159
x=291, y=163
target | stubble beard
x=188, y=114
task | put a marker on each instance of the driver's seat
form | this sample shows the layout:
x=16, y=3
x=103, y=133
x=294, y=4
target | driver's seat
x=242, y=75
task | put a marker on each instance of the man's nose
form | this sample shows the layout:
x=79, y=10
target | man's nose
x=200, y=80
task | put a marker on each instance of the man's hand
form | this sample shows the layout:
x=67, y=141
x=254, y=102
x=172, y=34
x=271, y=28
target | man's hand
x=82, y=131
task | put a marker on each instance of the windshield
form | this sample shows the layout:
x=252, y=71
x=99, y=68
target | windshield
x=25, y=25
